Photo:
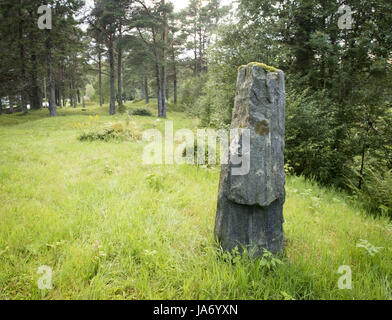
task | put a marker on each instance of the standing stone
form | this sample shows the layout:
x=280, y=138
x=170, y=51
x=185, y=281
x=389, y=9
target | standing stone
x=250, y=205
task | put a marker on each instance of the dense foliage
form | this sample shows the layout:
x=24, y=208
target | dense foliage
x=338, y=84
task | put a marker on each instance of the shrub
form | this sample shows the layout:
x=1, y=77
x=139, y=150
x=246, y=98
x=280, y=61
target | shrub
x=102, y=135
x=142, y=113
x=376, y=192
x=122, y=109
x=155, y=182
x=309, y=137
x=189, y=94
x=117, y=131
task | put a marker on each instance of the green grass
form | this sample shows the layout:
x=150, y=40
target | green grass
x=111, y=228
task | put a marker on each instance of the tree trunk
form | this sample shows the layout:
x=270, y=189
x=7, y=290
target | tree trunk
x=112, y=107
x=22, y=62
x=46, y=93
x=52, y=94
x=75, y=100
x=142, y=93
x=1, y=106
x=159, y=89
x=35, y=88
x=60, y=98
x=119, y=71
x=200, y=51
x=62, y=89
x=164, y=75
x=100, y=77
x=11, y=102
x=146, y=93
x=174, y=76
x=362, y=168
x=167, y=90
x=40, y=97
x=57, y=95
x=78, y=95
x=195, y=54
x=163, y=93
x=34, y=101
x=83, y=101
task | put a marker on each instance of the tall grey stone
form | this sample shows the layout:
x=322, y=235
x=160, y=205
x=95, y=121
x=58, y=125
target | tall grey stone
x=250, y=204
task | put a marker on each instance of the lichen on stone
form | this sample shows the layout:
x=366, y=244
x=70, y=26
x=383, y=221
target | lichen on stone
x=261, y=65
x=262, y=128
x=240, y=67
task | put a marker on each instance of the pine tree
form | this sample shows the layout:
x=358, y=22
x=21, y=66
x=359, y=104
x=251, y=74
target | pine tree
x=151, y=23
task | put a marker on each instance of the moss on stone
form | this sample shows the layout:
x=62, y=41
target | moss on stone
x=240, y=67
x=261, y=65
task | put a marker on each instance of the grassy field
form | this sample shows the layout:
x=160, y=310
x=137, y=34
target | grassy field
x=112, y=228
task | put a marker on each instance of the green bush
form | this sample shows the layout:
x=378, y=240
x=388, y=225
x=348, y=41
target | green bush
x=310, y=133
x=100, y=135
x=122, y=109
x=117, y=131
x=142, y=113
x=217, y=101
x=189, y=94
x=155, y=182
x=376, y=192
